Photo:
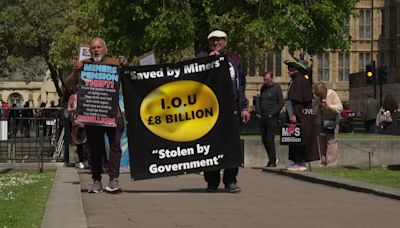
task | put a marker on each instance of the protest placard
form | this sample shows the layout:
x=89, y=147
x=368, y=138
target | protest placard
x=98, y=92
x=180, y=118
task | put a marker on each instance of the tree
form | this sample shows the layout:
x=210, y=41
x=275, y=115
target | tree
x=312, y=26
x=83, y=24
x=253, y=26
x=47, y=31
x=174, y=29
x=28, y=28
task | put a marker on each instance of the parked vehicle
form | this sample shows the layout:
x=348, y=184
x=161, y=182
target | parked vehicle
x=346, y=116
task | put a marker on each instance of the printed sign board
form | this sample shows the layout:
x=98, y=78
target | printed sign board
x=98, y=95
x=180, y=118
x=292, y=134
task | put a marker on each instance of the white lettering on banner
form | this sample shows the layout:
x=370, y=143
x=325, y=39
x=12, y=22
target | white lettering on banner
x=146, y=75
x=195, y=67
x=290, y=139
x=308, y=111
x=296, y=132
x=165, y=153
x=154, y=168
x=285, y=131
x=203, y=149
x=175, y=72
x=181, y=152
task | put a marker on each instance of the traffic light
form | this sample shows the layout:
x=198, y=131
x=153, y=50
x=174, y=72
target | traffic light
x=369, y=73
x=383, y=74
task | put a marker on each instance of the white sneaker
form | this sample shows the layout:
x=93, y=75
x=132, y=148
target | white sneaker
x=95, y=187
x=81, y=165
x=113, y=186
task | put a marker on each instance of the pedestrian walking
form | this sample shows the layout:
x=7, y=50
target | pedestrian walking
x=95, y=134
x=271, y=103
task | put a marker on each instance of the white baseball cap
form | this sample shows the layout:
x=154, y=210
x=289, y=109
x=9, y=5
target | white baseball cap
x=217, y=33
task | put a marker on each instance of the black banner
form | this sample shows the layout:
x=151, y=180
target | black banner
x=98, y=94
x=180, y=118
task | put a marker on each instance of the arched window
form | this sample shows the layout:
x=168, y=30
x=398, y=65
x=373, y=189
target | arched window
x=15, y=98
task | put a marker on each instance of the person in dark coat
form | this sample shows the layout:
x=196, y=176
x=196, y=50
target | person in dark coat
x=300, y=110
x=271, y=103
x=14, y=119
x=40, y=114
x=370, y=110
x=27, y=114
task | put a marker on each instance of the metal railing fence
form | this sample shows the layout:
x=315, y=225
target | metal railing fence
x=30, y=135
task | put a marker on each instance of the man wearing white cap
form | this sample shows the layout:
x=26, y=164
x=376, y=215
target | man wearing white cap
x=218, y=41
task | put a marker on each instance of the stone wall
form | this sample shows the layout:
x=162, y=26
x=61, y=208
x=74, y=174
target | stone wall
x=35, y=92
x=350, y=152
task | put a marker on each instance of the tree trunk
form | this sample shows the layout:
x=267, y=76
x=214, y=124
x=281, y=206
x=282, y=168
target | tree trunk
x=54, y=74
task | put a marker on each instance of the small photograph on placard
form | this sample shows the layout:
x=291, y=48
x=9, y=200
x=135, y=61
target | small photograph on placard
x=84, y=52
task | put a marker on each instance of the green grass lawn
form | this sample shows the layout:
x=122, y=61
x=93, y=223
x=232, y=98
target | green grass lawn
x=23, y=197
x=366, y=136
x=380, y=176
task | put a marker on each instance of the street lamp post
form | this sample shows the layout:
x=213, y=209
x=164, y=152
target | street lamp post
x=372, y=46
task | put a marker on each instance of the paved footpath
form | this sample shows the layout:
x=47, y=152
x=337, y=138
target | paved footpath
x=266, y=200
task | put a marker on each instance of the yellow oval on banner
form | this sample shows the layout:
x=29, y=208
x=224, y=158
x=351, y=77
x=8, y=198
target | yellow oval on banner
x=180, y=111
